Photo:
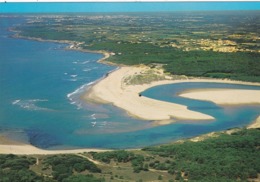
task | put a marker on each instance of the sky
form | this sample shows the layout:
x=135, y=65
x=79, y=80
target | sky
x=70, y=7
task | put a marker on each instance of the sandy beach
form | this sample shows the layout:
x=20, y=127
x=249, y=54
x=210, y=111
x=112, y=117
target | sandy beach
x=114, y=90
x=8, y=146
x=31, y=150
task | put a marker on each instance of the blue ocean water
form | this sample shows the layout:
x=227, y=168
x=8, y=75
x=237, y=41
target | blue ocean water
x=40, y=88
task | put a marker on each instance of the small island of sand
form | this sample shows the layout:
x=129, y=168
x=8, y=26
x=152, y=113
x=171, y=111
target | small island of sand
x=225, y=96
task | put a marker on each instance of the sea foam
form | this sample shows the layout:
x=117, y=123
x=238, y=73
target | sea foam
x=87, y=69
x=85, y=62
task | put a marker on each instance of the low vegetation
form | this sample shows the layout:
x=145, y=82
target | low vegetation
x=137, y=161
x=145, y=77
x=63, y=166
x=17, y=168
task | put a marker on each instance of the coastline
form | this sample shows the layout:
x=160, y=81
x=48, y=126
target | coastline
x=8, y=147
x=72, y=45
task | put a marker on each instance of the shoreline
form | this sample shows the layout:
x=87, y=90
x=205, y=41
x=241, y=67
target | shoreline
x=8, y=146
x=73, y=46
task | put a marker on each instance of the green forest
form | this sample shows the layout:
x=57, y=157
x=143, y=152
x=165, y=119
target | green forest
x=224, y=157
x=236, y=66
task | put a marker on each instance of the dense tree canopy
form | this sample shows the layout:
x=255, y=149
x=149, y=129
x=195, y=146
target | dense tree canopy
x=235, y=156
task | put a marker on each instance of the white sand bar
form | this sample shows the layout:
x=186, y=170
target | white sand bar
x=113, y=89
x=26, y=149
x=225, y=96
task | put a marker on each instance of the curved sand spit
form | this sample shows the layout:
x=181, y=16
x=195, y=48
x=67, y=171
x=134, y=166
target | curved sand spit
x=113, y=89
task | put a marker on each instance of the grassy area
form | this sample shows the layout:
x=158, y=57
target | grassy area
x=145, y=77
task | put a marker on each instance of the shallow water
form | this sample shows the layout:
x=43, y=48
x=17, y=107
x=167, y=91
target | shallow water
x=41, y=84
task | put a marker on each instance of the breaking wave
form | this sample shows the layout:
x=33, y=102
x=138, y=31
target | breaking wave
x=74, y=96
x=30, y=104
x=87, y=69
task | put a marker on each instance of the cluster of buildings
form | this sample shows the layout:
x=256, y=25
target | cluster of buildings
x=212, y=45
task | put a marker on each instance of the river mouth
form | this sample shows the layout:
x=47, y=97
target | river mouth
x=37, y=78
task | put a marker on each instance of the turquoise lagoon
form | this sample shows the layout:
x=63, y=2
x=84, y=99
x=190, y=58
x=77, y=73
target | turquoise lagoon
x=40, y=88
